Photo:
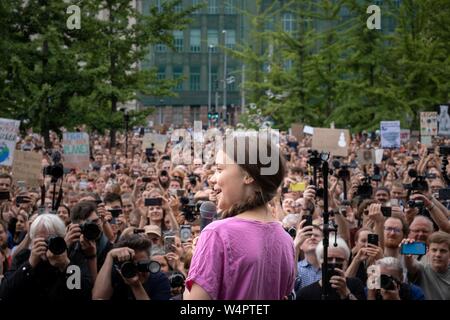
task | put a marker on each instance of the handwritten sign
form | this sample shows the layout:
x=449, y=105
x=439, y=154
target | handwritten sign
x=159, y=141
x=76, y=150
x=8, y=136
x=335, y=141
x=27, y=166
x=428, y=123
x=390, y=134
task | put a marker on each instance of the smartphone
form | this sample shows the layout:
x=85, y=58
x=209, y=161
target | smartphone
x=309, y=220
x=153, y=202
x=169, y=241
x=115, y=212
x=180, y=192
x=415, y=248
x=146, y=179
x=165, y=157
x=22, y=199
x=185, y=232
x=298, y=187
x=4, y=195
x=22, y=185
x=444, y=150
x=135, y=231
x=372, y=238
x=386, y=211
x=284, y=190
x=444, y=194
x=394, y=203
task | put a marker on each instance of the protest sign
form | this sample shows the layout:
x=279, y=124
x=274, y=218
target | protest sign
x=444, y=121
x=8, y=136
x=308, y=130
x=297, y=131
x=379, y=156
x=76, y=150
x=405, y=135
x=159, y=141
x=428, y=123
x=426, y=140
x=366, y=156
x=390, y=134
x=27, y=166
x=335, y=141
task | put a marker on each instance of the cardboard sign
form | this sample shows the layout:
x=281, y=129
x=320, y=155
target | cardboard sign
x=390, y=134
x=159, y=140
x=428, y=123
x=297, y=131
x=366, y=156
x=426, y=140
x=335, y=141
x=8, y=138
x=379, y=156
x=27, y=167
x=405, y=135
x=308, y=130
x=76, y=150
x=444, y=121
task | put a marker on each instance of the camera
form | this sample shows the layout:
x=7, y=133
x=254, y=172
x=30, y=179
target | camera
x=416, y=204
x=418, y=184
x=376, y=174
x=56, y=169
x=176, y=280
x=189, y=208
x=130, y=269
x=292, y=232
x=387, y=282
x=193, y=179
x=364, y=191
x=56, y=245
x=316, y=158
x=342, y=170
x=90, y=230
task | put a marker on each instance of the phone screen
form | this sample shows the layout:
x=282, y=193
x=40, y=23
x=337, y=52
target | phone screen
x=169, y=241
x=185, y=232
x=415, y=248
x=153, y=202
x=298, y=187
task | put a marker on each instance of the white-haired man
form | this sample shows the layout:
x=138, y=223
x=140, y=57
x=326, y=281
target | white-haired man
x=341, y=288
x=41, y=272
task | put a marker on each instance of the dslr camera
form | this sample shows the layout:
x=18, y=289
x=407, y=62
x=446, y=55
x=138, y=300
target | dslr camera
x=364, y=190
x=342, y=170
x=56, y=169
x=189, y=208
x=56, y=245
x=90, y=230
x=130, y=269
x=419, y=183
x=176, y=280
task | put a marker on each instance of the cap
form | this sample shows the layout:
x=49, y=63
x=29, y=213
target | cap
x=153, y=229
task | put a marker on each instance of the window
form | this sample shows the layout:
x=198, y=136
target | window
x=214, y=79
x=179, y=7
x=288, y=22
x=195, y=79
x=231, y=81
x=178, y=40
x=196, y=3
x=161, y=73
x=160, y=115
x=230, y=6
x=230, y=39
x=213, y=39
x=178, y=74
x=212, y=7
x=177, y=115
x=160, y=47
x=195, y=40
x=159, y=5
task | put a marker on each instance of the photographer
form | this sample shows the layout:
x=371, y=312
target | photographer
x=432, y=276
x=85, y=235
x=40, y=273
x=342, y=288
x=112, y=284
x=391, y=285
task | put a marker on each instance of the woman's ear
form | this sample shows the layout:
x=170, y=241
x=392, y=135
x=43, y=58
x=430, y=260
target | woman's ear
x=248, y=180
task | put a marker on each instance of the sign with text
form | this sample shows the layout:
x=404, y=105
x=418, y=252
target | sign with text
x=27, y=166
x=8, y=136
x=76, y=150
x=428, y=123
x=335, y=141
x=366, y=156
x=159, y=141
x=390, y=134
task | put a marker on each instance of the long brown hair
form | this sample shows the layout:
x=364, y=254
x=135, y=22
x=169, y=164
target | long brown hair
x=266, y=185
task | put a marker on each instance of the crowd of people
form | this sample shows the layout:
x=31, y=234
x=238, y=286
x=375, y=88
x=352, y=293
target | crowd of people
x=138, y=224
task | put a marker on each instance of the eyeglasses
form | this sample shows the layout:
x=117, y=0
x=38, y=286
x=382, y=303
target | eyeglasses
x=392, y=229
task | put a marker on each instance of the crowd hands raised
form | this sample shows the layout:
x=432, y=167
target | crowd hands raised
x=130, y=224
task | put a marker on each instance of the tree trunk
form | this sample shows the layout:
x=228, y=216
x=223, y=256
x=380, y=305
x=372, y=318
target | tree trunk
x=112, y=133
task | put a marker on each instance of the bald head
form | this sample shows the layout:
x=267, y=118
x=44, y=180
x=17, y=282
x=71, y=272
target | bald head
x=420, y=229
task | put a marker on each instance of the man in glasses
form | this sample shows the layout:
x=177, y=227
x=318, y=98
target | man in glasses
x=395, y=229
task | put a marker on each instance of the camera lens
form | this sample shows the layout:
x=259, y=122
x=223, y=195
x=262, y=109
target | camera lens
x=176, y=280
x=90, y=230
x=387, y=283
x=56, y=245
x=154, y=267
x=128, y=270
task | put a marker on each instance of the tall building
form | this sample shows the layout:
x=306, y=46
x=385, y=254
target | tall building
x=199, y=59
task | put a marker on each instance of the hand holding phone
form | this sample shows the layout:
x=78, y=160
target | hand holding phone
x=153, y=202
x=169, y=242
x=372, y=238
x=414, y=248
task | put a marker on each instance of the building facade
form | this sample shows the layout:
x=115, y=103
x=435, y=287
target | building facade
x=199, y=58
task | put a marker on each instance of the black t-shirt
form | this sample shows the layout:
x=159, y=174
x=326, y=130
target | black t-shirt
x=314, y=291
x=157, y=287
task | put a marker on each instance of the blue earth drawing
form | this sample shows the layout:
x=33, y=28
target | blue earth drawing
x=4, y=152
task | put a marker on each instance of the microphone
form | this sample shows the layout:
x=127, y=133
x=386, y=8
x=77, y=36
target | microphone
x=207, y=213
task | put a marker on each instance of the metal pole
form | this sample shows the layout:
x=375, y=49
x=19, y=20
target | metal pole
x=243, y=89
x=209, y=77
x=225, y=77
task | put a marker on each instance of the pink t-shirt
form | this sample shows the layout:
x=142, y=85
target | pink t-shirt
x=237, y=259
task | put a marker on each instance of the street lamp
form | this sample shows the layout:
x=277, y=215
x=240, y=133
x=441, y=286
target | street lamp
x=210, y=48
x=225, y=76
